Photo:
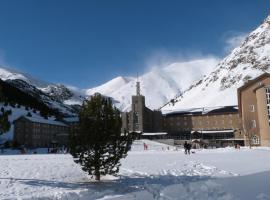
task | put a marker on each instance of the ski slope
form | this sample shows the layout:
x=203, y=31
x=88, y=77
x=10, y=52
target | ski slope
x=158, y=173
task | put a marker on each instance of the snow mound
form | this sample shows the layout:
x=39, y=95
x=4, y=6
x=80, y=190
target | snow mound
x=226, y=174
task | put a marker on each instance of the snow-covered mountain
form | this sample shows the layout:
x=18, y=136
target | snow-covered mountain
x=11, y=74
x=56, y=96
x=219, y=88
x=159, y=85
x=197, y=83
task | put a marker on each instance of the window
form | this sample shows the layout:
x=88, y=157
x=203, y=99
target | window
x=255, y=140
x=136, y=118
x=267, y=91
x=253, y=123
x=251, y=108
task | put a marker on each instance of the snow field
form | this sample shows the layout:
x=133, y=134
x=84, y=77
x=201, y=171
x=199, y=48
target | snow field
x=157, y=173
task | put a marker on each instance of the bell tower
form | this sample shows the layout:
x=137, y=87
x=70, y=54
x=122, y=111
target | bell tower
x=138, y=89
x=137, y=112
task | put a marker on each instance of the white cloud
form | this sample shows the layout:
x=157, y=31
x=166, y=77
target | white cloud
x=234, y=40
x=161, y=58
x=178, y=69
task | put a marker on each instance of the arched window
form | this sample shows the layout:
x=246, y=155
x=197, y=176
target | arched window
x=255, y=140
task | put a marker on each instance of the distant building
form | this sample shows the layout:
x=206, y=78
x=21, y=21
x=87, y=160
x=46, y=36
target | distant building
x=40, y=132
x=73, y=123
x=254, y=110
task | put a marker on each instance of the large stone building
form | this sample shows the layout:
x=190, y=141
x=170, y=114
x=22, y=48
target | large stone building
x=40, y=132
x=220, y=126
x=254, y=110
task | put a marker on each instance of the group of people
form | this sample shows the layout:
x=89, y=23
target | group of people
x=187, y=147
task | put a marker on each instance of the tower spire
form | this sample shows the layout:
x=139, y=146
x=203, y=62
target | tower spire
x=138, y=89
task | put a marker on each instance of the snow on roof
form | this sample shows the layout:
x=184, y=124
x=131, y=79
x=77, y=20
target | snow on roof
x=161, y=133
x=71, y=119
x=203, y=110
x=134, y=131
x=215, y=131
x=44, y=121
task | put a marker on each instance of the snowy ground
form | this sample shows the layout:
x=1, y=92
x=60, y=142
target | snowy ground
x=157, y=173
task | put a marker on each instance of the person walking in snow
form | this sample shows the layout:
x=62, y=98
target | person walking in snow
x=144, y=146
x=186, y=147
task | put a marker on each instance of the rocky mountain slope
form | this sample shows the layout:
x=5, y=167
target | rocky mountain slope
x=219, y=88
x=53, y=95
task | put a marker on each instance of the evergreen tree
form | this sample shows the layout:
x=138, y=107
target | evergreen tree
x=4, y=123
x=98, y=145
x=1, y=94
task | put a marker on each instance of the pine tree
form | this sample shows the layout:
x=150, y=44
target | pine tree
x=4, y=123
x=1, y=94
x=98, y=145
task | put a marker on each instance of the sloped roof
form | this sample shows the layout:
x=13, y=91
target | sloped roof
x=44, y=121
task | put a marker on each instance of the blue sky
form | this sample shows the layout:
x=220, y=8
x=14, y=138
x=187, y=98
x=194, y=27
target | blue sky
x=85, y=43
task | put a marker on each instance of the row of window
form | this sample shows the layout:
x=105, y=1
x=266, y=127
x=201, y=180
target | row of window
x=267, y=90
x=200, y=117
x=199, y=123
x=255, y=140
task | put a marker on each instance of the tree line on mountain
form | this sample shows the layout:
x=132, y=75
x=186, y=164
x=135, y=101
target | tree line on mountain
x=14, y=97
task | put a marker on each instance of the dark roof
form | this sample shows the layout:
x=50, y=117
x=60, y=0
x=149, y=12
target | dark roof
x=226, y=109
x=205, y=111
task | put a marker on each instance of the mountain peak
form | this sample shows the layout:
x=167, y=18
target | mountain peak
x=219, y=88
x=267, y=19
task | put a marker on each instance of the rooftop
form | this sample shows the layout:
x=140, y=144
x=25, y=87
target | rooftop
x=203, y=111
x=44, y=121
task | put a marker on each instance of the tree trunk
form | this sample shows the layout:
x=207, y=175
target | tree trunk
x=97, y=176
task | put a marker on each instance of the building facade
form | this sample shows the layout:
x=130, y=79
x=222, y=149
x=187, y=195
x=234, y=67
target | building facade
x=141, y=119
x=219, y=126
x=40, y=132
x=254, y=110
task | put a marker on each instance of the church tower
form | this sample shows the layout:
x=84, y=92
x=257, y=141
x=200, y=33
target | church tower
x=137, y=112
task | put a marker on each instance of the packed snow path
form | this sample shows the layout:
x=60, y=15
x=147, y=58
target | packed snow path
x=158, y=173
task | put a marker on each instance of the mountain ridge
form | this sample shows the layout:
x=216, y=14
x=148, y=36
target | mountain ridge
x=219, y=87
